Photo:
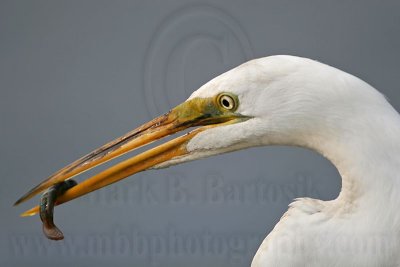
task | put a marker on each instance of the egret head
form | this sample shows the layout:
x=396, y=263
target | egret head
x=286, y=100
x=274, y=100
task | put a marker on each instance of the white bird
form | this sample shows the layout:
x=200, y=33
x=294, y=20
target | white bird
x=283, y=100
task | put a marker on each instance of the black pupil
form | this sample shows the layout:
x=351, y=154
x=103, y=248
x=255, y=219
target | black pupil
x=225, y=103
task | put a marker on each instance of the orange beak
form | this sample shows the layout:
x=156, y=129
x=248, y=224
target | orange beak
x=195, y=112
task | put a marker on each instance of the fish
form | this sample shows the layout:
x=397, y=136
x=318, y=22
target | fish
x=47, y=203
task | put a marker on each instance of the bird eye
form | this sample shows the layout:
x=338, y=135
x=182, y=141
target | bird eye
x=227, y=102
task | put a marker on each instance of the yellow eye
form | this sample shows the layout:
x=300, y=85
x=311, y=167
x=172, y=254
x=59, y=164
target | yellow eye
x=227, y=102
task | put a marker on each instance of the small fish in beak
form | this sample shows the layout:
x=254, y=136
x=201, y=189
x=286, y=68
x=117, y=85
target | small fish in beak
x=47, y=203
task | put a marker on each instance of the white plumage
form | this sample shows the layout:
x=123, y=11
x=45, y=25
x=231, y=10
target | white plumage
x=301, y=102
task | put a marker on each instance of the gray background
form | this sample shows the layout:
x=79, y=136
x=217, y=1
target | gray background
x=76, y=74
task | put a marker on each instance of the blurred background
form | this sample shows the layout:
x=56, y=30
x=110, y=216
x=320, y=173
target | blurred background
x=76, y=74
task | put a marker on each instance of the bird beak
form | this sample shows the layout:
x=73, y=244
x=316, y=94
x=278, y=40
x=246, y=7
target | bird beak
x=203, y=112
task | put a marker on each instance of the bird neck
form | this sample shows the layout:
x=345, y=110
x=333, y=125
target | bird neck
x=366, y=151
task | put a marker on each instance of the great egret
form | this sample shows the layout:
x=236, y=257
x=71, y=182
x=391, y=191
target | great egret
x=282, y=100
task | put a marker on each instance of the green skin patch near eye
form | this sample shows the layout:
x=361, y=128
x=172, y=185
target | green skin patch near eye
x=202, y=109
